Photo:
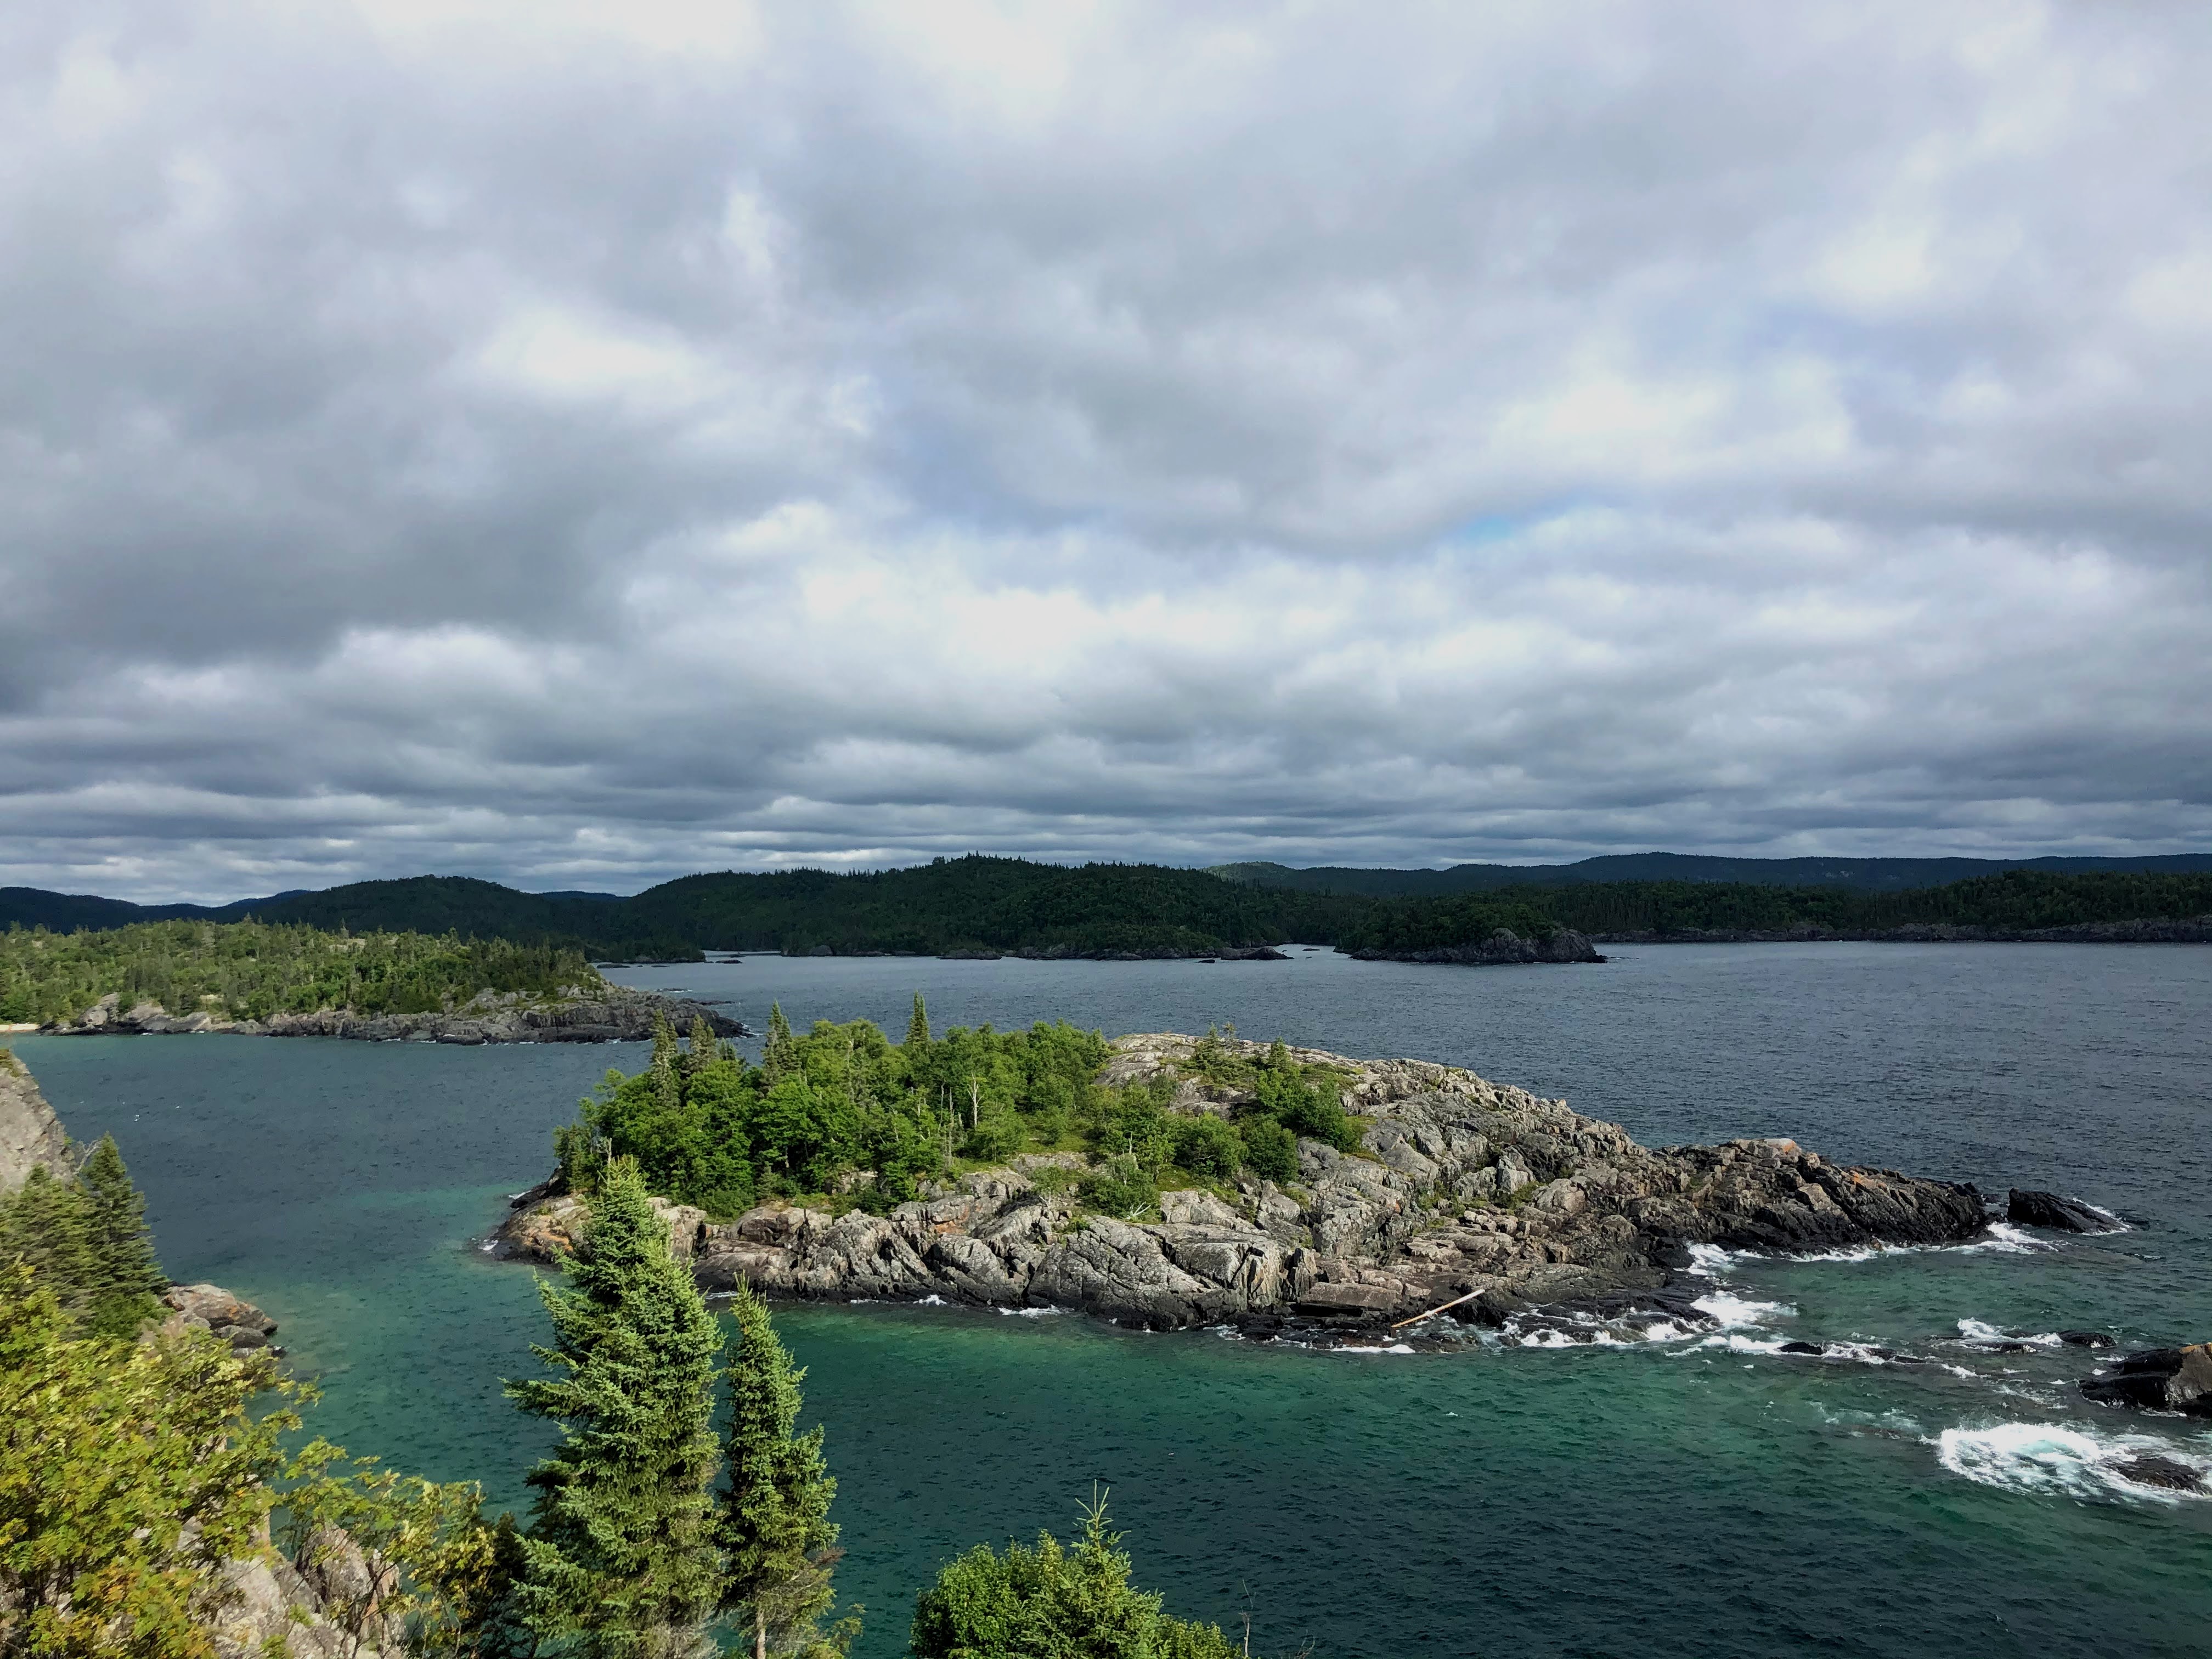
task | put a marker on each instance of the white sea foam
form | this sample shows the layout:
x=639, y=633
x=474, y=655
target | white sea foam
x=1395, y=1347
x=1731, y=1311
x=1027, y=1313
x=1709, y=1260
x=2054, y=1461
x=1974, y=1330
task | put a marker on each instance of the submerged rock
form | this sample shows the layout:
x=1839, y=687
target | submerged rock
x=2158, y=1380
x=1462, y=1191
x=2161, y=1472
x=2065, y=1215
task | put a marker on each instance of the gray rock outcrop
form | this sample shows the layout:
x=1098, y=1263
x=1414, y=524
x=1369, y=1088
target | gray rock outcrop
x=30, y=1134
x=212, y=1308
x=606, y=1014
x=1462, y=1188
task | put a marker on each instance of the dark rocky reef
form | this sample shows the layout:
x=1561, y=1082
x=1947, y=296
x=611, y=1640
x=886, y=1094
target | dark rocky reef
x=1504, y=948
x=603, y=1014
x=2065, y=1215
x=1463, y=1190
x=2158, y=1380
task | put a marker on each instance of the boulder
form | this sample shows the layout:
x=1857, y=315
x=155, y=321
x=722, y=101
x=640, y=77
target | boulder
x=2065, y=1215
x=2161, y=1472
x=2158, y=1380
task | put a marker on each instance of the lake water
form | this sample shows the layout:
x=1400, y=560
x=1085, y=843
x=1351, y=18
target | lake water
x=1687, y=1497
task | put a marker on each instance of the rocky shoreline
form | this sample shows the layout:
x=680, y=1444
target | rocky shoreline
x=1464, y=1192
x=609, y=1014
x=1504, y=948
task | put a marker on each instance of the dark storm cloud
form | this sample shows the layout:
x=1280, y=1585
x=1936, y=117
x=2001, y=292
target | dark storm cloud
x=580, y=445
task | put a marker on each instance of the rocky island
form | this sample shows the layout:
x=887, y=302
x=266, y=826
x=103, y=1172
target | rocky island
x=1451, y=1190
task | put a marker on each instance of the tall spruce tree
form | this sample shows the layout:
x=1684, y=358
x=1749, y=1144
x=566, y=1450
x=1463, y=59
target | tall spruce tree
x=780, y=1052
x=623, y=1562
x=705, y=1048
x=127, y=1279
x=776, y=1528
x=44, y=1226
x=917, y=1029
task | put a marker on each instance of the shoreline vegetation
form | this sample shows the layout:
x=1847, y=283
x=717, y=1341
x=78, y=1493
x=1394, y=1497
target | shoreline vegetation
x=255, y=979
x=983, y=907
x=152, y=1502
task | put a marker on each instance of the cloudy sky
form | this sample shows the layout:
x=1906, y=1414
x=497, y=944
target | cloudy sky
x=579, y=443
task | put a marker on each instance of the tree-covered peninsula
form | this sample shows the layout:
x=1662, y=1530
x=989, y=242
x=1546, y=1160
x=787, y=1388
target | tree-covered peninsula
x=251, y=970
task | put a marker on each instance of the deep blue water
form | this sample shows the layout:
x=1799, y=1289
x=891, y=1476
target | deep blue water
x=1667, y=1498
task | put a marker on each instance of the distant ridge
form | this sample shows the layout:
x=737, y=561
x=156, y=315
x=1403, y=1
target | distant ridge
x=983, y=905
x=1871, y=875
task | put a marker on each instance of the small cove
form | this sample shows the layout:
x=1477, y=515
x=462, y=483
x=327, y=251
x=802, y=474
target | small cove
x=1685, y=1497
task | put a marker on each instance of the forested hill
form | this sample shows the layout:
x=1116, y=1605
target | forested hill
x=1864, y=875
x=994, y=904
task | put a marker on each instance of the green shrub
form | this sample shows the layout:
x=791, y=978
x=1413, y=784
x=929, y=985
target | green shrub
x=1271, y=1151
x=1121, y=1188
x=1054, y=1600
x=1207, y=1147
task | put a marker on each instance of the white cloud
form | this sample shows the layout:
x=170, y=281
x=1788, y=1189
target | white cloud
x=583, y=445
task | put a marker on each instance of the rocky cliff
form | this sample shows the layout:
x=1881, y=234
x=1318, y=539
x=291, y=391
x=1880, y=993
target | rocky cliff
x=30, y=1134
x=1463, y=1190
x=611, y=1014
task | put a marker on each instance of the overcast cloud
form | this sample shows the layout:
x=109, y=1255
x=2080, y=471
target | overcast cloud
x=580, y=445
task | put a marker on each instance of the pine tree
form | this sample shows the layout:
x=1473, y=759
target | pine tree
x=705, y=1048
x=779, y=1054
x=127, y=1280
x=44, y=1226
x=917, y=1029
x=666, y=1059
x=781, y=1544
x=623, y=1561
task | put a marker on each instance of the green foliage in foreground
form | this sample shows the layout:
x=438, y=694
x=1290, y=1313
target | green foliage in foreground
x=249, y=971
x=622, y=1558
x=85, y=1239
x=1054, y=1600
x=776, y=1530
x=128, y=1474
x=706, y=1128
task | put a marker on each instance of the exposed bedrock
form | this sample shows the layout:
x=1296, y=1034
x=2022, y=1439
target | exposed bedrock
x=612, y=1015
x=2158, y=1380
x=31, y=1136
x=1463, y=1188
x=2065, y=1215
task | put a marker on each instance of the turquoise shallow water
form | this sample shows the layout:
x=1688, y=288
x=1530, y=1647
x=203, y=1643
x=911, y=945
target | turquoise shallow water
x=1664, y=1498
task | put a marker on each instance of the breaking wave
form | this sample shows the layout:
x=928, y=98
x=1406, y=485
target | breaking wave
x=2052, y=1460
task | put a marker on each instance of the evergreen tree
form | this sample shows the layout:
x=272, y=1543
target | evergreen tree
x=917, y=1029
x=1071, y=1603
x=622, y=1558
x=44, y=1226
x=705, y=1048
x=126, y=1278
x=665, y=1057
x=776, y=1513
x=781, y=1053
